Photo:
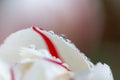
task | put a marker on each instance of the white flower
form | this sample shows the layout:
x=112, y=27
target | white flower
x=50, y=57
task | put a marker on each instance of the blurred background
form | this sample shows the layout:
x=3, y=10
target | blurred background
x=93, y=25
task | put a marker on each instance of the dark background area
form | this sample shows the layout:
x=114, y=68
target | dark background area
x=109, y=48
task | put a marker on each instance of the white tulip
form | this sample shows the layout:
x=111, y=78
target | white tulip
x=36, y=54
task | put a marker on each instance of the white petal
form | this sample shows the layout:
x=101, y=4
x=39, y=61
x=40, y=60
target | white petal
x=24, y=38
x=4, y=71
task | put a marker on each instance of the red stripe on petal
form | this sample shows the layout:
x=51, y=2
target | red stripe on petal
x=12, y=74
x=48, y=42
x=58, y=63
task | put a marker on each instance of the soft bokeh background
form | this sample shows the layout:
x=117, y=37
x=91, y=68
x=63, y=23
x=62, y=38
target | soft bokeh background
x=93, y=25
